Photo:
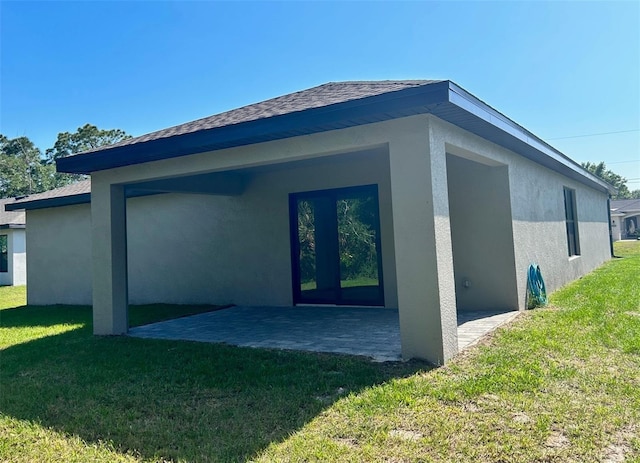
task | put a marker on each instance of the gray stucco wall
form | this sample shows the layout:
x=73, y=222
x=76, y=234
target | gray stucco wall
x=537, y=210
x=540, y=229
x=197, y=248
x=59, y=255
x=481, y=235
x=201, y=248
x=216, y=249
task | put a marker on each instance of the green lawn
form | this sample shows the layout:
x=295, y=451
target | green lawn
x=560, y=384
x=361, y=281
x=66, y=395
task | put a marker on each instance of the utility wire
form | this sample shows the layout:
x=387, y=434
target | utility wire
x=594, y=134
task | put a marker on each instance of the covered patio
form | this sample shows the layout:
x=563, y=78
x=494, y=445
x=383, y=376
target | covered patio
x=365, y=331
x=412, y=197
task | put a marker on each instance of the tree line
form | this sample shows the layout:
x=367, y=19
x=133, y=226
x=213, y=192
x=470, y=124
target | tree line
x=25, y=169
x=618, y=181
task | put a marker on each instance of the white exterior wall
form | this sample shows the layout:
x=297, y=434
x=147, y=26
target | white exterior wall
x=16, y=274
x=18, y=247
x=617, y=222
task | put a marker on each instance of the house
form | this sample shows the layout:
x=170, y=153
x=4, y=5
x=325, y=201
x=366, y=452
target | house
x=413, y=195
x=13, y=271
x=625, y=219
x=59, y=258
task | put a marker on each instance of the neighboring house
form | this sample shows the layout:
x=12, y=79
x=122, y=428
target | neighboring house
x=412, y=195
x=13, y=270
x=625, y=219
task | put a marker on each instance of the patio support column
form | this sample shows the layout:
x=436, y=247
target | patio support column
x=109, y=237
x=422, y=241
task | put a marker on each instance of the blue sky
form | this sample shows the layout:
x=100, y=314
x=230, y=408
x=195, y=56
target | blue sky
x=560, y=69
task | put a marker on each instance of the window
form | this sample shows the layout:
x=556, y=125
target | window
x=4, y=256
x=570, y=212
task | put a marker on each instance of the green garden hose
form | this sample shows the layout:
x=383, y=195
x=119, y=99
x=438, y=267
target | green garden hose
x=536, y=290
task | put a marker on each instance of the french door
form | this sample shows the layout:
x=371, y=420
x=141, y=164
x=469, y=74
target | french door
x=335, y=246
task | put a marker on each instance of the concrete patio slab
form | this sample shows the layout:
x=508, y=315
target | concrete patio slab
x=370, y=332
x=474, y=325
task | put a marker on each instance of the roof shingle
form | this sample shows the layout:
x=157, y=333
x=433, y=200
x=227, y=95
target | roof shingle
x=78, y=188
x=9, y=218
x=625, y=205
x=316, y=97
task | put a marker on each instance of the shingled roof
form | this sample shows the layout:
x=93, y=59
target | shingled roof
x=625, y=205
x=76, y=193
x=9, y=219
x=332, y=106
x=316, y=97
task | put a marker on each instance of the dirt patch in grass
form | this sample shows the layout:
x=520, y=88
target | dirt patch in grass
x=621, y=446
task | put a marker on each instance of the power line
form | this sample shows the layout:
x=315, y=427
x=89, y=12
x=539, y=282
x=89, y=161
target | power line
x=594, y=134
x=613, y=162
x=621, y=162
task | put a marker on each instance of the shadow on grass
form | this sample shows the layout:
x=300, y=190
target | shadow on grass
x=49, y=315
x=171, y=399
x=42, y=316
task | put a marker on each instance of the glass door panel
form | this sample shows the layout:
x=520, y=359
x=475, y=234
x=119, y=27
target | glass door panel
x=358, y=248
x=307, y=245
x=336, y=247
x=316, y=246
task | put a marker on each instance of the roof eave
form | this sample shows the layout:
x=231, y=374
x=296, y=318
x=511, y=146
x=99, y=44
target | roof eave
x=12, y=226
x=45, y=203
x=351, y=113
x=531, y=145
x=444, y=99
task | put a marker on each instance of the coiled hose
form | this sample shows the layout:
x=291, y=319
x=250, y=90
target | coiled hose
x=536, y=290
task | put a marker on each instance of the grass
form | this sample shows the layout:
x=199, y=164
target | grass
x=560, y=384
x=12, y=296
x=66, y=395
x=360, y=281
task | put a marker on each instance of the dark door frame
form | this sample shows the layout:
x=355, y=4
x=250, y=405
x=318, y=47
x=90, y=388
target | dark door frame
x=335, y=194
